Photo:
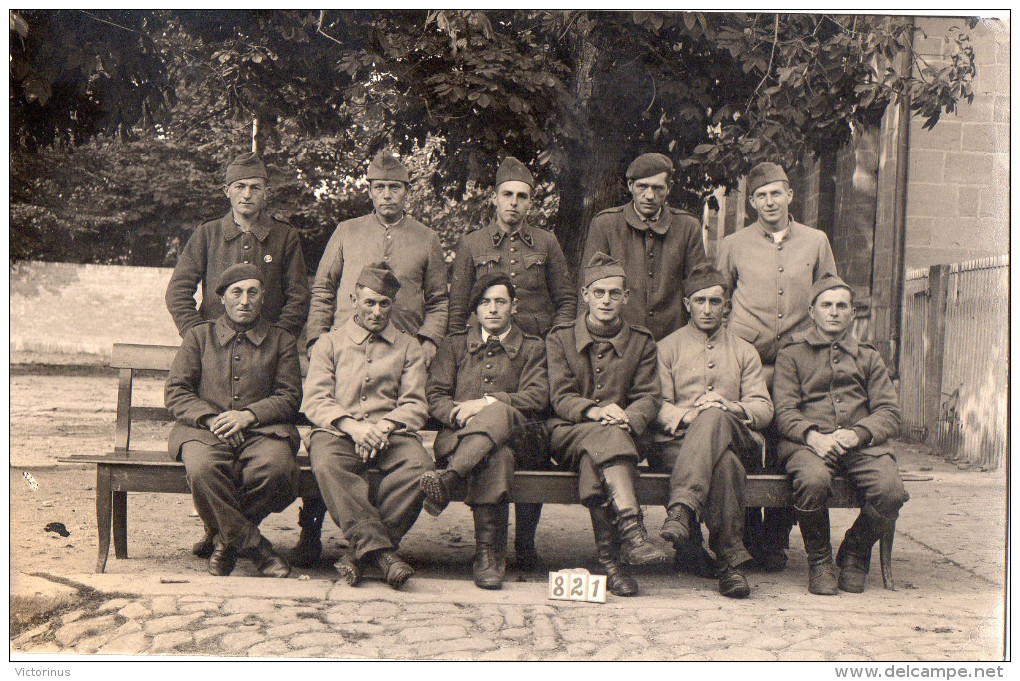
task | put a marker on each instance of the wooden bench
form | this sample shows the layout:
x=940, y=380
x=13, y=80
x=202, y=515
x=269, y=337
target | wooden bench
x=137, y=470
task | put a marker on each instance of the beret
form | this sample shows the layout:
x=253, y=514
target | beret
x=379, y=277
x=246, y=166
x=513, y=170
x=764, y=173
x=386, y=166
x=601, y=266
x=647, y=165
x=701, y=277
x=236, y=273
x=487, y=281
x=827, y=282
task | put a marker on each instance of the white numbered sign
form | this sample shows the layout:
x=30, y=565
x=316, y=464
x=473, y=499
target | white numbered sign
x=577, y=585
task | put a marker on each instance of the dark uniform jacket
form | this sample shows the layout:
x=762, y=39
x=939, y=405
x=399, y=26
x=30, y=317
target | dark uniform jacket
x=273, y=245
x=465, y=368
x=534, y=261
x=657, y=256
x=581, y=377
x=218, y=369
x=416, y=256
x=831, y=385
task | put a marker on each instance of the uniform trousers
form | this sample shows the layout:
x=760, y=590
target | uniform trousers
x=484, y=452
x=877, y=478
x=708, y=466
x=586, y=448
x=234, y=490
x=371, y=519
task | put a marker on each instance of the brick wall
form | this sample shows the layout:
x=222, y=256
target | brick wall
x=958, y=193
x=65, y=308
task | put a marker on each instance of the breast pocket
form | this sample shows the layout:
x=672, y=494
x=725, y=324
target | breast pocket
x=486, y=263
x=534, y=261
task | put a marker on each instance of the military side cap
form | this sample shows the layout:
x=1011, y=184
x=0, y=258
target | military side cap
x=236, y=273
x=601, y=266
x=246, y=166
x=512, y=170
x=379, y=277
x=701, y=277
x=827, y=282
x=647, y=165
x=487, y=281
x=765, y=173
x=386, y=166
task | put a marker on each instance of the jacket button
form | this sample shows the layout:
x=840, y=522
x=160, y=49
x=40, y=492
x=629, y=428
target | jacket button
x=513, y=262
x=513, y=249
x=600, y=355
x=598, y=370
x=710, y=387
x=237, y=378
x=835, y=361
x=779, y=247
x=363, y=398
x=710, y=346
x=780, y=315
x=247, y=247
x=780, y=291
x=780, y=269
x=247, y=262
x=597, y=386
x=368, y=360
x=485, y=380
x=237, y=397
x=513, y=274
x=488, y=366
x=839, y=399
x=489, y=353
x=367, y=379
x=711, y=365
x=597, y=400
x=237, y=357
x=650, y=274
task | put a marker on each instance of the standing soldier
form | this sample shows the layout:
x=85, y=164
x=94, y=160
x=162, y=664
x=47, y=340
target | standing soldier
x=414, y=253
x=365, y=397
x=486, y=386
x=714, y=401
x=533, y=260
x=234, y=388
x=657, y=244
x=604, y=389
x=247, y=234
x=770, y=267
x=835, y=408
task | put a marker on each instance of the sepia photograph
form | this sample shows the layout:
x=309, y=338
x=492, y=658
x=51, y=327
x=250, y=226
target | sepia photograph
x=492, y=335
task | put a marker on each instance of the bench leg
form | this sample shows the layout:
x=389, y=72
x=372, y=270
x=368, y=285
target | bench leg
x=120, y=524
x=104, y=514
x=885, y=557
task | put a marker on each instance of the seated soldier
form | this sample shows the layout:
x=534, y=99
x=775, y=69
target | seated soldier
x=234, y=388
x=488, y=386
x=604, y=390
x=714, y=400
x=835, y=407
x=365, y=397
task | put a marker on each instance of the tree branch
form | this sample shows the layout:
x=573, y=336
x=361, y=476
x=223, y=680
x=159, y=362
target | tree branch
x=768, y=70
x=110, y=23
x=318, y=29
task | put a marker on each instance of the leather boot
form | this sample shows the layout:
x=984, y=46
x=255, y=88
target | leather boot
x=204, y=547
x=692, y=558
x=308, y=549
x=814, y=528
x=618, y=582
x=677, y=526
x=395, y=571
x=437, y=486
x=636, y=548
x=489, y=566
x=854, y=555
x=222, y=560
x=267, y=561
x=349, y=567
x=733, y=583
x=526, y=517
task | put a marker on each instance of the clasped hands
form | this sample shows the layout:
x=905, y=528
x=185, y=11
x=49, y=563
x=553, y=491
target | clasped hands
x=463, y=412
x=832, y=445
x=708, y=401
x=369, y=438
x=229, y=426
x=610, y=415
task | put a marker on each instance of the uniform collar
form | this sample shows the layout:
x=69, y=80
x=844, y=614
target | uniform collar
x=701, y=336
x=660, y=225
x=582, y=337
x=511, y=343
x=768, y=235
x=498, y=235
x=815, y=339
x=358, y=333
x=256, y=334
x=260, y=228
x=389, y=225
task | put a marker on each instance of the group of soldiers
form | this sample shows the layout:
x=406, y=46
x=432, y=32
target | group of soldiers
x=708, y=372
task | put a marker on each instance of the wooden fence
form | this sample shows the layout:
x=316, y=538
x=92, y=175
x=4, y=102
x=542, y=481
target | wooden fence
x=954, y=359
